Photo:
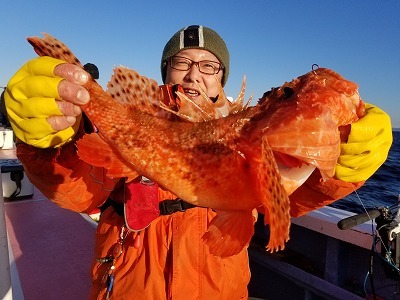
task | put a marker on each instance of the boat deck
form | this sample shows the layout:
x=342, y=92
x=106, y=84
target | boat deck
x=50, y=250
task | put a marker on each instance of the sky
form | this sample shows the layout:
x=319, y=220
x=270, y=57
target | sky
x=270, y=42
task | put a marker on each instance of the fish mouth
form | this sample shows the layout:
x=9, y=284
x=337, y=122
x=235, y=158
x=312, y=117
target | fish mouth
x=293, y=178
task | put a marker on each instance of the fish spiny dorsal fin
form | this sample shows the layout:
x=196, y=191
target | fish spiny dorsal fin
x=193, y=111
x=202, y=110
x=187, y=113
x=205, y=109
x=211, y=108
x=237, y=105
x=50, y=46
x=128, y=87
x=222, y=104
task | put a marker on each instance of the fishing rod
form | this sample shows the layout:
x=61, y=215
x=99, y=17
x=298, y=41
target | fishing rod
x=387, y=232
x=361, y=218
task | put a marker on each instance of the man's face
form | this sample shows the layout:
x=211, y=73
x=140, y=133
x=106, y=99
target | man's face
x=187, y=79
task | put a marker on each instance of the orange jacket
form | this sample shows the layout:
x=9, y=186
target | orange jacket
x=173, y=262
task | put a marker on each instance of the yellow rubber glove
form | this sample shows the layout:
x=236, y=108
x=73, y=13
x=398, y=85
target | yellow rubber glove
x=30, y=99
x=367, y=147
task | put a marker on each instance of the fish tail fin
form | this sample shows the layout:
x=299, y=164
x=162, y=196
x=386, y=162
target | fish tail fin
x=50, y=46
x=229, y=232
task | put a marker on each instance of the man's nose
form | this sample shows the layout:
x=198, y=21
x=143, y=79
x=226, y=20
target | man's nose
x=194, y=73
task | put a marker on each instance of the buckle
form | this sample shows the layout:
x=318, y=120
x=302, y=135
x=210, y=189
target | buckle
x=168, y=207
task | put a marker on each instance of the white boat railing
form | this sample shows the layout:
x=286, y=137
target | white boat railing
x=5, y=274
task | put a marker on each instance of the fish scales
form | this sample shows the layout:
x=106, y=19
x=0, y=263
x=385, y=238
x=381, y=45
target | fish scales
x=131, y=127
x=233, y=164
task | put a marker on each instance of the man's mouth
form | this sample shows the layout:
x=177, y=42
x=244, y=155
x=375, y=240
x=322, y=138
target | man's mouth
x=191, y=93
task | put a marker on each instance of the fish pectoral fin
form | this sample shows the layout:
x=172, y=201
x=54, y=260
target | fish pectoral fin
x=274, y=199
x=93, y=150
x=229, y=232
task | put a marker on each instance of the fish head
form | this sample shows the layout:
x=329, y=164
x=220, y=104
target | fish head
x=302, y=120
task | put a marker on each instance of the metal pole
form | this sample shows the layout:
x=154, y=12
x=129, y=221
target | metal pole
x=5, y=276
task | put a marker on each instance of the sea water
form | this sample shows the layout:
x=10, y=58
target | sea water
x=381, y=189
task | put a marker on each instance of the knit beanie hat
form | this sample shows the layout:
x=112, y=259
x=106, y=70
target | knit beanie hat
x=196, y=37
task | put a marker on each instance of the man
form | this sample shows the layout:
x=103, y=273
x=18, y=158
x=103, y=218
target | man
x=168, y=259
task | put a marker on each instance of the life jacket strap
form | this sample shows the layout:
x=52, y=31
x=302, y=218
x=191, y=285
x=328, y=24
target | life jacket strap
x=168, y=207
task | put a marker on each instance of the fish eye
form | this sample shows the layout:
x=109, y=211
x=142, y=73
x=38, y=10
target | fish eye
x=287, y=92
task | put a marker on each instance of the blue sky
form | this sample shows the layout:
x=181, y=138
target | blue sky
x=269, y=41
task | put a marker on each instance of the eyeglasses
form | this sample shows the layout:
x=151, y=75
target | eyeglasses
x=184, y=64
